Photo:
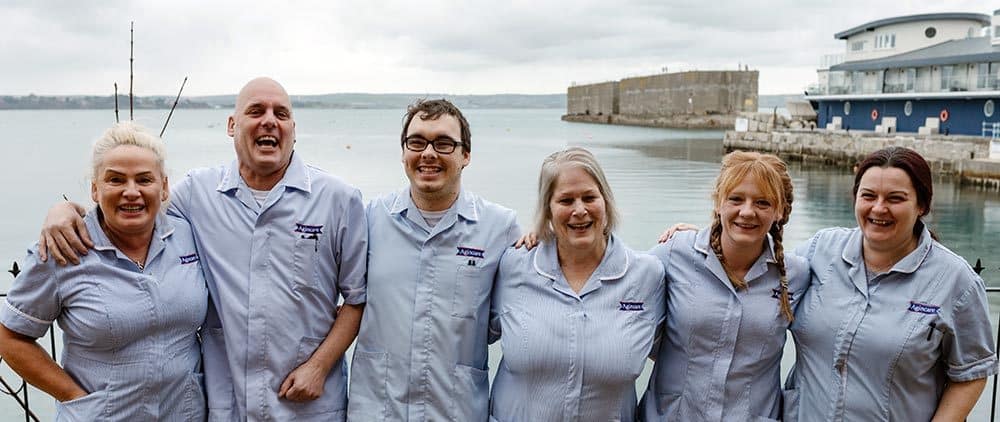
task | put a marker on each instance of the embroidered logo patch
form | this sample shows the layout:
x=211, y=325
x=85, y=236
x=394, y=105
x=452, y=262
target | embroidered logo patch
x=308, y=229
x=187, y=259
x=923, y=308
x=471, y=252
x=630, y=306
x=776, y=293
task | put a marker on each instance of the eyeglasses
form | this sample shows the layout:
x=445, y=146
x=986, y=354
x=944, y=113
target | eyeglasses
x=440, y=145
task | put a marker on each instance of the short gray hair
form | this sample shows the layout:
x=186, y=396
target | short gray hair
x=127, y=133
x=552, y=167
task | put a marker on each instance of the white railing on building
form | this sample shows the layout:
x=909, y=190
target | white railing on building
x=991, y=130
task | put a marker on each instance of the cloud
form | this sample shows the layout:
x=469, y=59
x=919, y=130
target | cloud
x=427, y=46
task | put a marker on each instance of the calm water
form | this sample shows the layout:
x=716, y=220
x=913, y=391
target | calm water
x=659, y=176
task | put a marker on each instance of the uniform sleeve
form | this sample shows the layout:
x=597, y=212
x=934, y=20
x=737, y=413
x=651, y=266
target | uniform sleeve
x=659, y=296
x=662, y=254
x=807, y=249
x=33, y=301
x=513, y=231
x=496, y=300
x=180, y=195
x=970, y=349
x=352, y=251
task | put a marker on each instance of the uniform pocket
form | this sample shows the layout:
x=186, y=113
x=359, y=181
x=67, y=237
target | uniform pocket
x=472, y=289
x=91, y=407
x=367, y=398
x=470, y=394
x=194, y=398
x=304, y=262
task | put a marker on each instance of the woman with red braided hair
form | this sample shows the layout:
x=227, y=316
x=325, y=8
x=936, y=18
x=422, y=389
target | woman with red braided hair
x=731, y=291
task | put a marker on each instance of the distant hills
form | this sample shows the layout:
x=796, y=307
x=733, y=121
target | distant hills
x=350, y=100
x=347, y=100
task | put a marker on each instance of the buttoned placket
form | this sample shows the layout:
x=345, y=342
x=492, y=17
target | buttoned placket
x=426, y=298
x=860, y=305
x=258, y=307
x=722, y=356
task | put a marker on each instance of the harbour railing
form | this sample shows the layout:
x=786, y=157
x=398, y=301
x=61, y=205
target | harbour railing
x=18, y=389
x=991, y=130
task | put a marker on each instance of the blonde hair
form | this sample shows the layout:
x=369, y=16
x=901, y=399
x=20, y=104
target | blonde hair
x=772, y=179
x=127, y=133
x=552, y=167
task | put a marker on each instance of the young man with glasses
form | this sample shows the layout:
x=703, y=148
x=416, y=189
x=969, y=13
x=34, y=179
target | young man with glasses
x=433, y=253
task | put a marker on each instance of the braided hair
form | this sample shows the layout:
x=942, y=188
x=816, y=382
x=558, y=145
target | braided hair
x=772, y=178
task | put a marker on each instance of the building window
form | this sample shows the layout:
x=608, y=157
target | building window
x=911, y=78
x=988, y=108
x=885, y=41
x=930, y=32
x=847, y=108
x=946, y=74
x=908, y=108
x=857, y=46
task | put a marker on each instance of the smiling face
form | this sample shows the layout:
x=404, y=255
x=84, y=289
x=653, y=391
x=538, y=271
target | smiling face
x=129, y=186
x=578, y=216
x=263, y=131
x=435, y=178
x=747, y=214
x=886, y=208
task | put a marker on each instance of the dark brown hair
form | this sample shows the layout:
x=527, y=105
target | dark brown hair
x=431, y=110
x=910, y=162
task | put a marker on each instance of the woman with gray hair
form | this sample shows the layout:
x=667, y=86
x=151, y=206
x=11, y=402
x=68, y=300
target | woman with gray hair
x=129, y=312
x=576, y=315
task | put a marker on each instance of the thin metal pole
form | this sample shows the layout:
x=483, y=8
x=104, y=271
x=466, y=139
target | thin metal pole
x=131, y=58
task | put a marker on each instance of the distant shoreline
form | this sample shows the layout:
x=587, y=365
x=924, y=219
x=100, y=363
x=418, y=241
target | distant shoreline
x=352, y=101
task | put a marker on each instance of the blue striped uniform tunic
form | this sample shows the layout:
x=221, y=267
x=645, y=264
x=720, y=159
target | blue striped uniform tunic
x=275, y=272
x=129, y=335
x=421, y=353
x=571, y=356
x=884, y=349
x=719, y=357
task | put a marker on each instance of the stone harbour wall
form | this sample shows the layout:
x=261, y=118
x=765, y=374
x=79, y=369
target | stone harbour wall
x=696, y=99
x=965, y=156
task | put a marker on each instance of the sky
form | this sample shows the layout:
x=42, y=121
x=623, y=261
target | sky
x=427, y=46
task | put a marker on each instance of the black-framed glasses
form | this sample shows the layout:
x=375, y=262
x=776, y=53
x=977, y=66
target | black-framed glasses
x=440, y=145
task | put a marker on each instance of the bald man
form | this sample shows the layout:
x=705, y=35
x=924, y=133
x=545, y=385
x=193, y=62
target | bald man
x=280, y=242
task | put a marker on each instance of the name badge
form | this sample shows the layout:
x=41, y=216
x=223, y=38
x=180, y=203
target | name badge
x=471, y=252
x=187, y=259
x=630, y=306
x=776, y=293
x=308, y=229
x=923, y=308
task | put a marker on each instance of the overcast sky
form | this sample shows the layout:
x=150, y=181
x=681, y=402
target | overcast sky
x=471, y=47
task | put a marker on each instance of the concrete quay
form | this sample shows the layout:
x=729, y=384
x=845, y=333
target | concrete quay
x=967, y=157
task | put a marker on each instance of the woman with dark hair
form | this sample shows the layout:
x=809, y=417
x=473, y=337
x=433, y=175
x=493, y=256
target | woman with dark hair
x=730, y=296
x=894, y=325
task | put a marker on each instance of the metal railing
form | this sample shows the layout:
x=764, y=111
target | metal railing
x=21, y=396
x=991, y=130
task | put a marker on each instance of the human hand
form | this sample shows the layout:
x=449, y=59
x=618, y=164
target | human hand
x=64, y=234
x=679, y=227
x=529, y=240
x=305, y=383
